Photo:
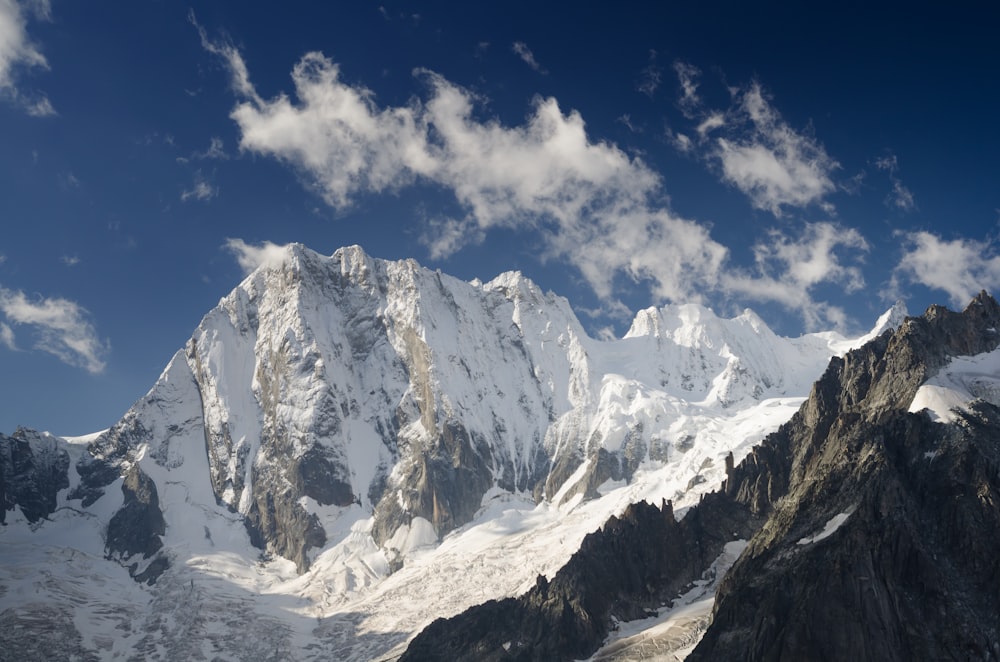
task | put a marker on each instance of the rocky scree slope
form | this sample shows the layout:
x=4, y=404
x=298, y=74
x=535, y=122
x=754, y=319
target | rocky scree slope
x=872, y=530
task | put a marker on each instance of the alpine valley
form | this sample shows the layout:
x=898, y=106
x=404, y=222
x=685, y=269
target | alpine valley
x=357, y=459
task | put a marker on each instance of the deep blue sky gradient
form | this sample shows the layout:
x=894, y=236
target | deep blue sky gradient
x=91, y=197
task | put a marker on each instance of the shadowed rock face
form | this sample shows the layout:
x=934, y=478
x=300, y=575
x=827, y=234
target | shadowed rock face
x=911, y=572
x=635, y=563
x=137, y=527
x=874, y=532
x=32, y=471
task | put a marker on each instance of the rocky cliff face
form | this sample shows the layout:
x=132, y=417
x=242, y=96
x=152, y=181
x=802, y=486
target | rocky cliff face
x=342, y=381
x=348, y=447
x=884, y=546
x=872, y=531
x=33, y=469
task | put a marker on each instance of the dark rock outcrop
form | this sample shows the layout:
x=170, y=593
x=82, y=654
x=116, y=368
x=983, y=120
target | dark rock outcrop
x=137, y=527
x=32, y=471
x=884, y=547
x=873, y=530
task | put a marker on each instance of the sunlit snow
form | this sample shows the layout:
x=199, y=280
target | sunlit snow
x=510, y=361
x=964, y=380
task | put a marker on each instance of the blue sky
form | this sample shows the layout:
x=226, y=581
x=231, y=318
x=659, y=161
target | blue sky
x=814, y=164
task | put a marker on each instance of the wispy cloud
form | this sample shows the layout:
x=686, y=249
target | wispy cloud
x=687, y=75
x=7, y=337
x=18, y=52
x=200, y=190
x=59, y=326
x=754, y=149
x=788, y=268
x=70, y=260
x=216, y=150
x=592, y=205
x=522, y=51
x=958, y=267
x=900, y=197
x=650, y=77
x=771, y=163
x=239, y=76
x=250, y=257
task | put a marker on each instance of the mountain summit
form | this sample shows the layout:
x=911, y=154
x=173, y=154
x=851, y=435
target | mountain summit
x=864, y=528
x=338, y=425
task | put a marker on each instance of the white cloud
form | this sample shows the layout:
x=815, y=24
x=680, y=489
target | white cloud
x=900, y=197
x=755, y=149
x=201, y=190
x=39, y=107
x=772, y=164
x=335, y=136
x=713, y=121
x=590, y=204
x=960, y=267
x=251, y=257
x=651, y=77
x=687, y=75
x=62, y=328
x=787, y=269
x=7, y=337
x=239, y=76
x=216, y=150
x=522, y=51
x=70, y=260
x=18, y=52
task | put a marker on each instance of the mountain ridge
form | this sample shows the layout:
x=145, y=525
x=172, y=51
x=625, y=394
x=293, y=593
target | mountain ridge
x=834, y=506
x=355, y=416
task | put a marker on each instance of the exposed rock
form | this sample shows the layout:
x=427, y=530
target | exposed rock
x=873, y=532
x=137, y=527
x=278, y=523
x=33, y=469
x=884, y=547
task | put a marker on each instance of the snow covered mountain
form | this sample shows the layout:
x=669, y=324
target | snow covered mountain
x=864, y=528
x=348, y=448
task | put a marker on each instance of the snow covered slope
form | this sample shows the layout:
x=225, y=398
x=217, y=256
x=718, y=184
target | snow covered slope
x=348, y=448
x=957, y=385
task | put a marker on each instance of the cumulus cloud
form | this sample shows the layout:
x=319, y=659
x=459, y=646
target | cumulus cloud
x=60, y=327
x=70, y=260
x=250, y=257
x=591, y=204
x=754, y=149
x=787, y=269
x=958, y=267
x=18, y=52
x=522, y=51
x=336, y=136
x=772, y=164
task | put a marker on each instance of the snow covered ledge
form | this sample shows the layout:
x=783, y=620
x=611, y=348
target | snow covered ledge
x=964, y=380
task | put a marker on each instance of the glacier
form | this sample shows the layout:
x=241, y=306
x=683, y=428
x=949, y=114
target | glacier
x=348, y=448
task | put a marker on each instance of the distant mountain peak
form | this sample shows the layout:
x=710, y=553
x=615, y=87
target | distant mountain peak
x=349, y=413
